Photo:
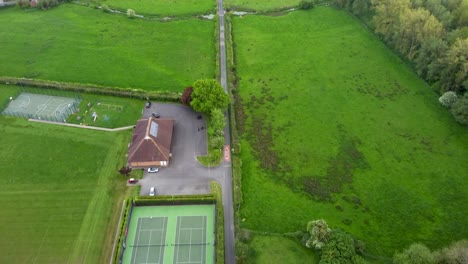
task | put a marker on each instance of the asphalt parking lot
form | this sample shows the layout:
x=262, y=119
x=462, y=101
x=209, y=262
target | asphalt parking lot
x=184, y=175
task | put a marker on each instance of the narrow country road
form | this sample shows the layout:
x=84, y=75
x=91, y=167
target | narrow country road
x=226, y=181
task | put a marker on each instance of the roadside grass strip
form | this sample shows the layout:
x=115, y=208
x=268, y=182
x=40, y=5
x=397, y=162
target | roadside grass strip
x=182, y=234
x=37, y=106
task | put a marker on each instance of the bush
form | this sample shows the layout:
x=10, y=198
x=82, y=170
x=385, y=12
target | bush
x=460, y=110
x=217, y=192
x=131, y=13
x=22, y=3
x=415, y=254
x=306, y=4
x=105, y=8
x=448, y=99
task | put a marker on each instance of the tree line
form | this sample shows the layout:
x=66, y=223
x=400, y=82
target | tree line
x=430, y=34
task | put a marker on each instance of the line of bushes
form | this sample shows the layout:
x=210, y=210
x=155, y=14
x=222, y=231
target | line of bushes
x=217, y=192
x=94, y=89
x=175, y=200
x=123, y=226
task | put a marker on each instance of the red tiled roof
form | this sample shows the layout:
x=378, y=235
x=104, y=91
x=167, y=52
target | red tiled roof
x=151, y=141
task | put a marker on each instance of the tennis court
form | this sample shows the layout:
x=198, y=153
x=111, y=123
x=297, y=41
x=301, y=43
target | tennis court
x=182, y=234
x=39, y=106
x=149, y=240
x=190, y=240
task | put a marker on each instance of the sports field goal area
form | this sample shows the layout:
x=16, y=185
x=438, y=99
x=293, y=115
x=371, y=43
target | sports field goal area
x=44, y=107
x=182, y=234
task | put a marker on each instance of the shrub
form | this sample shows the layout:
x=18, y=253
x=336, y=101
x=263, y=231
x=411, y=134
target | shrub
x=22, y=3
x=187, y=96
x=460, y=110
x=415, y=254
x=448, y=99
x=306, y=4
x=131, y=13
x=105, y=8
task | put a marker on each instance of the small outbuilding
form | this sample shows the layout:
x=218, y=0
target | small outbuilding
x=151, y=143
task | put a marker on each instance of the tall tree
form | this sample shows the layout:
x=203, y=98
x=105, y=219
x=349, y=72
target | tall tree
x=438, y=10
x=207, y=95
x=416, y=27
x=451, y=70
x=430, y=51
x=387, y=16
x=360, y=7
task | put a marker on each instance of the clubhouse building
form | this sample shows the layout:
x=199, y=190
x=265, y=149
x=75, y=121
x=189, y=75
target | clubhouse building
x=151, y=143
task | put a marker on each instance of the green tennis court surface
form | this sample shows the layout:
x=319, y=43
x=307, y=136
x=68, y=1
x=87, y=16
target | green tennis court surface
x=39, y=106
x=181, y=234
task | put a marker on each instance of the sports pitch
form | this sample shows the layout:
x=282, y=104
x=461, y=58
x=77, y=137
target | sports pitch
x=171, y=234
x=39, y=106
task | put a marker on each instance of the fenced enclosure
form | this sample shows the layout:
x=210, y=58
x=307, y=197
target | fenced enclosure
x=48, y=107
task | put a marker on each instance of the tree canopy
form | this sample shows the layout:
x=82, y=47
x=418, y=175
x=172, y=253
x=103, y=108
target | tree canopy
x=208, y=95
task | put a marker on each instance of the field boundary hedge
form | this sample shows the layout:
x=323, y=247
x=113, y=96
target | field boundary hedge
x=94, y=89
x=219, y=220
x=213, y=198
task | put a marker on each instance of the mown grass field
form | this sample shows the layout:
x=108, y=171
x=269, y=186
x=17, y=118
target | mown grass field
x=165, y=7
x=260, y=5
x=58, y=190
x=79, y=44
x=338, y=127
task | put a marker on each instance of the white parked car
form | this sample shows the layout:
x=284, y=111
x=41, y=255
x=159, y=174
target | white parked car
x=152, y=191
x=153, y=170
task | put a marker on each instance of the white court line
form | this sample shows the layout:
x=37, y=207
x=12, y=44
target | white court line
x=148, y=249
x=43, y=106
x=134, y=254
x=179, y=222
x=191, y=228
x=152, y=229
x=21, y=105
x=190, y=248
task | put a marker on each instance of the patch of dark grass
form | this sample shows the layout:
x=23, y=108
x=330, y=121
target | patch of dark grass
x=339, y=172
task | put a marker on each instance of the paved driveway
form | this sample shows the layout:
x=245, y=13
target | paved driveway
x=184, y=175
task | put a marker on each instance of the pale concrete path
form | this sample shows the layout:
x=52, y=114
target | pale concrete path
x=81, y=126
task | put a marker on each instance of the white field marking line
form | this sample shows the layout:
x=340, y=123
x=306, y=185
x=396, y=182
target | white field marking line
x=191, y=262
x=134, y=254
x=156, y=229
x=42, y=241
x=43, y=106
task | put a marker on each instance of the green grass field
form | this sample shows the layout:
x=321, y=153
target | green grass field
x=112, y=111
x=58, y=191
x=338, y=127
x=78, y=44
x=277, y=249
x=260, y=5
x=165, y=7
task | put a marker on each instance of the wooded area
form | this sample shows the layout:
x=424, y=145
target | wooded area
x=431, y=34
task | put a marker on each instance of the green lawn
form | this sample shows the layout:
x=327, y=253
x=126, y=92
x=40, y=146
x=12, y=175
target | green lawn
x=78, y=44
x=337, y=127
x=277, y=249
x=112, y=111
x=260, y=5
x=165, y=7
x=58, y=190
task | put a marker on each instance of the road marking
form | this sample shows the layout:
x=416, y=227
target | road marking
x=227, y=153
